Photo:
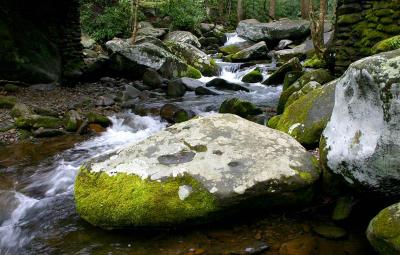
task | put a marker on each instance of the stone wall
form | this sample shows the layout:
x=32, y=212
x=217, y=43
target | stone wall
x=39, y=40
x=360, y=25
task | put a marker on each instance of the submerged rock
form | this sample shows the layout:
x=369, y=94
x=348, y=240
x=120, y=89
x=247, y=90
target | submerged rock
x=194, y=172
x=220, y=83
x=363, y=134
x=384, y=231
x=253, y=76
x=273, y=31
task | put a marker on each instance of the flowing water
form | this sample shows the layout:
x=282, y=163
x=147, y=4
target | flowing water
x=37, y=212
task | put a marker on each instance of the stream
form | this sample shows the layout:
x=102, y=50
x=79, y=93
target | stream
x=37, y=212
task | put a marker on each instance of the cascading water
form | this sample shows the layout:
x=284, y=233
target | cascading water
x=45, y=200
x=233, y=38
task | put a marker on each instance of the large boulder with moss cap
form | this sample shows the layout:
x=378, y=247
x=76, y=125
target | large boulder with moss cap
x=194, y=172
x=363, y=134
x=273, y=32
x=191, y=55
x=384, y=231
x=306, y=118
x=134, y=60
x=256, y=52
x=183, y=37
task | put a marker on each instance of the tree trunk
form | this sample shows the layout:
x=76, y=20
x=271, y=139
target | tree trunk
x=317, y=28
x=272, y=9
x=240, y=12
x=135, y=8
x=305, y=9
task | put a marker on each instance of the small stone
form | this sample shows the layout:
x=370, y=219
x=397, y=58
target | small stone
x=330, y=232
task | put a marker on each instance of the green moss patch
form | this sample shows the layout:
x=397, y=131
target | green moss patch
x=126, y=200
x=390, y=44
x=7, y=102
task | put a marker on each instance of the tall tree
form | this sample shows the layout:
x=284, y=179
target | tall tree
x=135, y=24
x=317, y=27
x=240, y=10
x=272, y=9
x=305, y=9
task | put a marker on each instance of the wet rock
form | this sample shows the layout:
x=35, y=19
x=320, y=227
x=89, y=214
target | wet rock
x=239, y=107
x=7, y=102
x=305, y=119
x=362, y=136
x=235, y=48
x=176, y=88
x=21, y=110
x=175, y=114
x=192, y=184
x=384, y=231
x=343, y=208
x=278, y=76
x=8, y=203
x=207, y=91
x=330, y=232
x=273, y=31
x=152, y=78
x=46, y=132
x=191, y=84
x=130, y=93
x=283, y=44
x=253, y=76
x=96, y=128
x=96, y=118
x=104, y=101
x=290, y=78
x=183, y=37
x=73, y=120
x=255, y=52
x=321, y=76
x=220, y=83
x=194, y=57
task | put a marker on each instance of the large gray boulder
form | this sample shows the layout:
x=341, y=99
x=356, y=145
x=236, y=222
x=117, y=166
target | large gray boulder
x=363, y=134
x=273, y=31
x=194, y=57
x=193, y=172
x=384, y=231
x=183, y=37
x=134, y=60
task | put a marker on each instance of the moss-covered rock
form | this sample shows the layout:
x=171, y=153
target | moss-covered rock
x=253, y=76
x=7, y=102
x=20, y=110
x=100, y=119
x=273, y=122
x=38, y=121
x=73, y=120
x=12, y=88
x=390, y=44
x=290, y=78
x=304, y=91
x=384, y=231
x=193, y=172
x=278, y=76
x=239, y=107
x=306, y=118
x=321, y=76
x=256, y=52
x=315, y=62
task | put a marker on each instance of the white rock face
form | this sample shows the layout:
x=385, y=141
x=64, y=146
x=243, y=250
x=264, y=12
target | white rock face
x=363, y=135
x=227, y=154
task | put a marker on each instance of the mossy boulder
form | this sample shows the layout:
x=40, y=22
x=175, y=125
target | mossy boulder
x=21, y=110
x=175, y=114
x=192, y=56
x=278, y=76
x=362, y=136
x=38, y=121
x=384, y=231
x=97, y=118
x=73, y=120
x=304, y=91
x=290, y=78
x=305, y=119
x=253, y=77
x=195, y=172
x=321, y=76
x=256, y=52
x=235, y=48
x=7, y=102
x=315, y=62
x=183, y=37
x=273, y=122
x=239, y=107
x=390, y=44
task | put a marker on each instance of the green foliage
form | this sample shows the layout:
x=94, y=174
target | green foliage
x=185, y=14
x=105, y=19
